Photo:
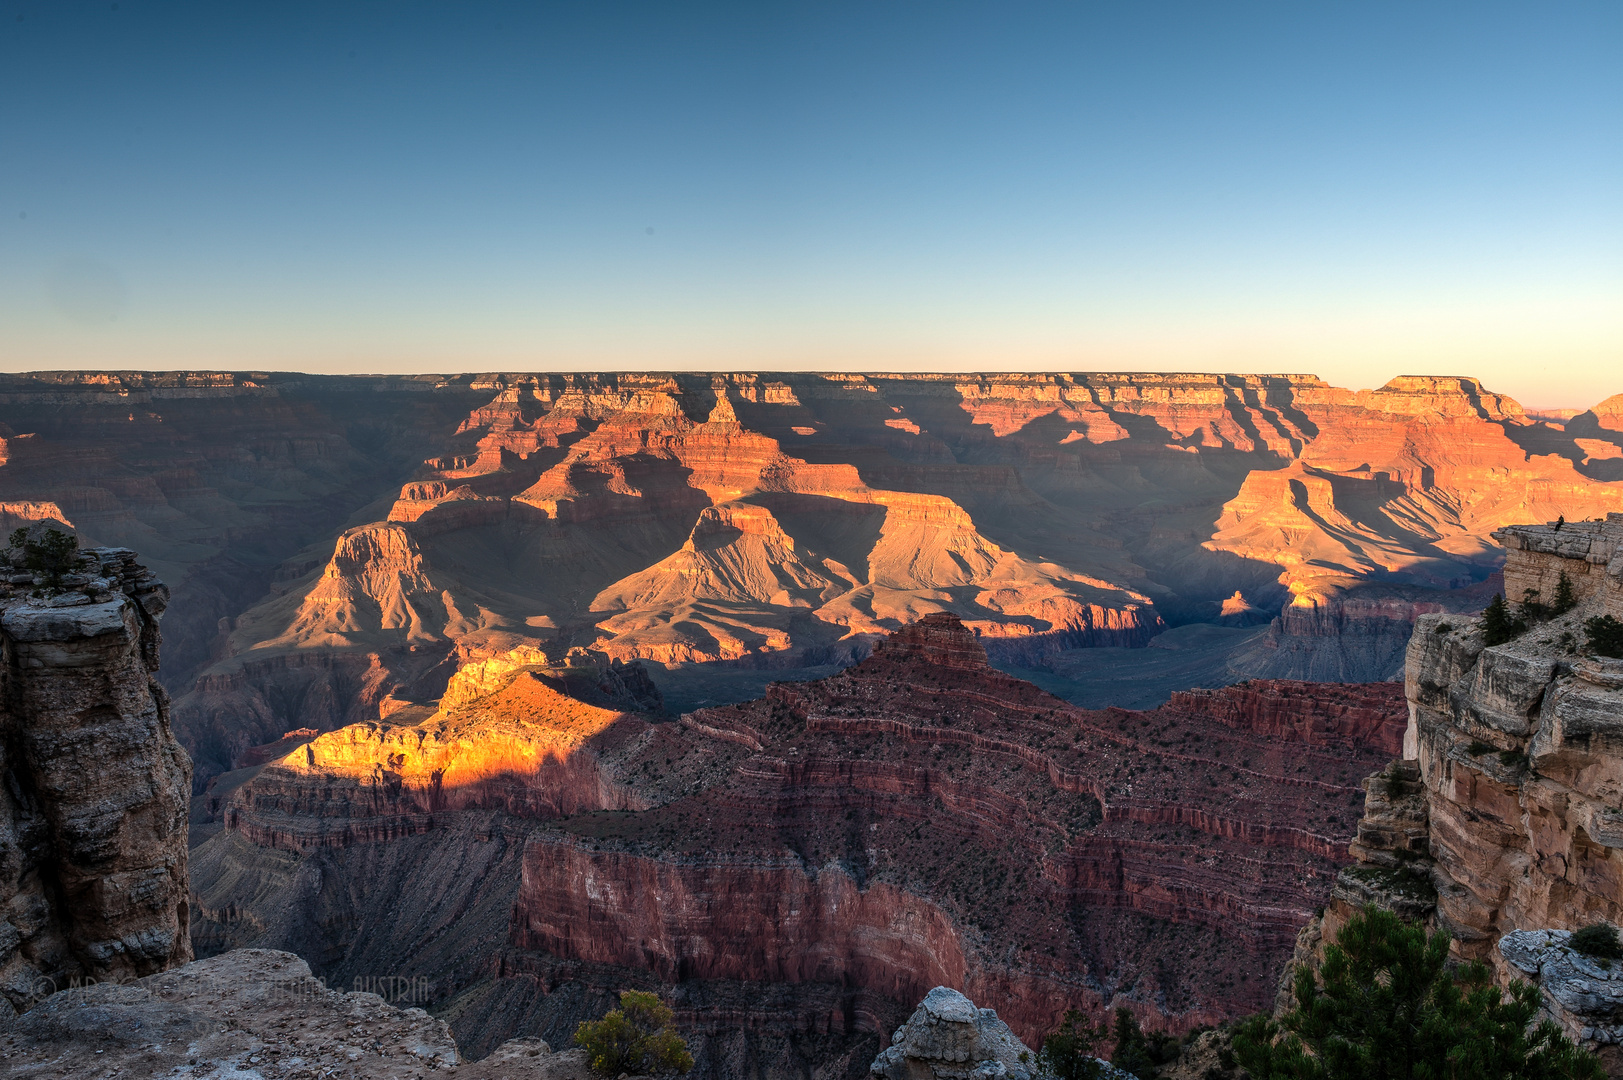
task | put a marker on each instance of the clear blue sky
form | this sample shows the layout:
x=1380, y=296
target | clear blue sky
x=1358, y=190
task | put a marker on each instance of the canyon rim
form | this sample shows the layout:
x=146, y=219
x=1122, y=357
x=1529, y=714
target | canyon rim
x=794, y=696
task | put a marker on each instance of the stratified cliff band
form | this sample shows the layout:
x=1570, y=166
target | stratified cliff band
x=341, y=545
x=797, y=871
x=93, y=807
x=1503, y=822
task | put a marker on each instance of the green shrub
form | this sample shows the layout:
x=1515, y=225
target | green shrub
x=1389, y=1008
x=1531, y=610
x=53, y=553
x=1605, y=635
x=635, y=1038
x=1598, y=940
x=1478, y=748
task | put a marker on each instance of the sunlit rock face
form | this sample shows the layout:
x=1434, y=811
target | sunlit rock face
x=520, y=750
x=794, y=871
x=93, y=808
x=342, y=546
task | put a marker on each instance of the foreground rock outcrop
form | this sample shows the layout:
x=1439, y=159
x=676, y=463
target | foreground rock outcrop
x=948, y=1038
x=1506, y=817
x=93, y=807
x=1583, y=994
x=792, y=872
x=251, y=1013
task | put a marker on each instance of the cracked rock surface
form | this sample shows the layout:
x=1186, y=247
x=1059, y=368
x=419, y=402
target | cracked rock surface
x=251, y=1014
x=948, y=1038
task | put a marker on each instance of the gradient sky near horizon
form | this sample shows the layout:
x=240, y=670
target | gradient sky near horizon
x=1356, y=190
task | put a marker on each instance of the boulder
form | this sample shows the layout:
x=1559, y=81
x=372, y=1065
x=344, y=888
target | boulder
x=948, y=1037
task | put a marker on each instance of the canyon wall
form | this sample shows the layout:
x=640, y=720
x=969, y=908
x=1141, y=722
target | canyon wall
x=93, y=808
x=795, y=872
x=1506, y=813
x=342, y=545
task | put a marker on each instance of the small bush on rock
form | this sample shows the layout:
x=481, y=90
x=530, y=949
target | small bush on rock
x=52, y=553
x=635, y=1038
x=1598, y=940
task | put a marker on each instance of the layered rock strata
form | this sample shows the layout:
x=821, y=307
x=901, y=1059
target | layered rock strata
x=796, y=869
x=1507, y=813
x=93, y=807
x=217, y=478
x=341, y=546
x=1348, y=631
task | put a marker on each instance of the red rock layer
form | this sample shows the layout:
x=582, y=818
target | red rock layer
x=921, y=819
x=1318, y=714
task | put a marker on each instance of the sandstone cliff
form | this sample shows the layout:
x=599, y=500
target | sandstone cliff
x=93, y=808
x=794, y=871
x=1507, y=813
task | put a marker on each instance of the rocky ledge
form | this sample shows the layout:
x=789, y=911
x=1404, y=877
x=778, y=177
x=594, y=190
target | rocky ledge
x=1503, y=822
x=1583, y=994
x=251, y=1013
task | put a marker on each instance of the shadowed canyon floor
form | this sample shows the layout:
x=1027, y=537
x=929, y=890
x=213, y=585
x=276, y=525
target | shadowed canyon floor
x=340, y=545
x=798, y=870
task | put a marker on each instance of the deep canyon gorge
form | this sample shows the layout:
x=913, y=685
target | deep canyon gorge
x=793, y=696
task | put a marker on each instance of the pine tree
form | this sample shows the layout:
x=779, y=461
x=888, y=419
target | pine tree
x=1067, y=1054
x=1605, y=634
x=1565, y=601
x=1498, y=624
x=1389, y=1008
x=1131, y=1052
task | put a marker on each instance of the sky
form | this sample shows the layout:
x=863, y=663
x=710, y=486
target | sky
x=1355, y=190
